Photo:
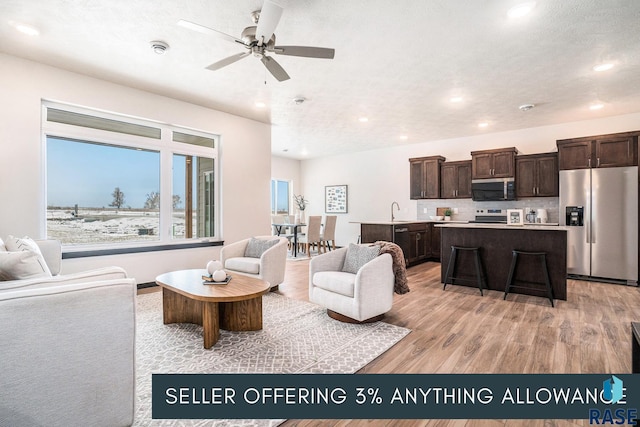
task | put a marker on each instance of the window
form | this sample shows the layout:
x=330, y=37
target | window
x=112, y=180
x=280, y=197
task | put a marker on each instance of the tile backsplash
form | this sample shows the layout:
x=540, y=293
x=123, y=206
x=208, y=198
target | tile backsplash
x=467, y=207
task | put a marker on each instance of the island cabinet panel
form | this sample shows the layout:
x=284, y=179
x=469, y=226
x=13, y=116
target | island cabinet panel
x=435, y=241
x=537, y=175
x=499, y=163
x=455, y=180
x=603, y=151
x=424, y=177
x=496, y=246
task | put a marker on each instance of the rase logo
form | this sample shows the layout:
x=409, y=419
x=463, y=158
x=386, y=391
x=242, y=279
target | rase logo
x=612, y=393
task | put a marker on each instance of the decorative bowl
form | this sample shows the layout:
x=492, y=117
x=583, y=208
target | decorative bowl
x=437, y=217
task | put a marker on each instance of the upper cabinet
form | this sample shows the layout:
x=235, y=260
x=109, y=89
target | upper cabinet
x=537, y=175
x=500, y=163
x=604, y=151
x=455, y=180
x=425, y=177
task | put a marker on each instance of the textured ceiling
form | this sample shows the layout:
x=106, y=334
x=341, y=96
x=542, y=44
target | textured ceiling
x=396, y=62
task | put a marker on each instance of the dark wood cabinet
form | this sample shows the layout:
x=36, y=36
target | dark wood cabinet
x=537, y=175
x=419, y=242
x=425, y=177
x=499, y=163
x=603, y=151
x=455, y=180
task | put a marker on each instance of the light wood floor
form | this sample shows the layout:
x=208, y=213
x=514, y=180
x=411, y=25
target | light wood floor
x=459, y=331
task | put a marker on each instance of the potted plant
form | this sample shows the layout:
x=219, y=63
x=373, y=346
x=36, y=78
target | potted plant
x=447, y=215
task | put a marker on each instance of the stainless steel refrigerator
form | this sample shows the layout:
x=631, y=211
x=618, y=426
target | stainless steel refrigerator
x=600, y=208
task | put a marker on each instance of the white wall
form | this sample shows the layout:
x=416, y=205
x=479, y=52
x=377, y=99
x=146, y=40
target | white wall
x=244, y=178
x=377, y=178
x=286, y=169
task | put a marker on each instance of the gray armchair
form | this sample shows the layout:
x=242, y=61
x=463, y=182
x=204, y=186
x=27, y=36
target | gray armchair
x=357, y=298
x=269, y=266
x=67, y=347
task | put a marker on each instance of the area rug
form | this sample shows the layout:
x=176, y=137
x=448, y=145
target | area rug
x=297, y=337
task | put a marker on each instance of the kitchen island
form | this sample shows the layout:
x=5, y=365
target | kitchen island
x=496, y=241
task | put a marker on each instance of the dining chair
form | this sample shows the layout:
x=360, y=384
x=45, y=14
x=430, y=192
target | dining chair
x=312, y=237
x=329, y=233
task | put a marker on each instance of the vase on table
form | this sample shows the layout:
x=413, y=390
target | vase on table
x=301, y=215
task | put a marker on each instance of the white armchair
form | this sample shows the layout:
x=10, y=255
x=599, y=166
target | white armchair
x=269, y=266
x=357, y=298
x=67, y=347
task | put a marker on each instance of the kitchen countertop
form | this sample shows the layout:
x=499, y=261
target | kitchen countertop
x=549, y=227
x=407, y=221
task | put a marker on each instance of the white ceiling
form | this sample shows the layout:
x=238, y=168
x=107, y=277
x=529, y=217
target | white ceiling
x=396, y=62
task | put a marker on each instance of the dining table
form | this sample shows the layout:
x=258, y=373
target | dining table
x=279, y=227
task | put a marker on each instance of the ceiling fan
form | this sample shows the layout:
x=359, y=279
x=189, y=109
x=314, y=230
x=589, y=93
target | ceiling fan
x=260, y=39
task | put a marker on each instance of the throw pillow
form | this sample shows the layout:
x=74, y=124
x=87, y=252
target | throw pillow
x=15, y=244
x=357, y=256
x=22, y=265
x=256, y=247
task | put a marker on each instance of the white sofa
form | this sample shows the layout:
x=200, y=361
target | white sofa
x=67, y=347
x=270, y=266
x=348, y=297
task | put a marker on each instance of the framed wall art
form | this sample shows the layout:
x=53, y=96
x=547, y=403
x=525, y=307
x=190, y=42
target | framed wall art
x=515, y=217
x=335, y=199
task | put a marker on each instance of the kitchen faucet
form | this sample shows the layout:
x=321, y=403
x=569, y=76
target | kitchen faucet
x=394, y=203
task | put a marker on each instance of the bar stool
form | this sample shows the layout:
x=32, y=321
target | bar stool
x=451, y=268
x=545, y=272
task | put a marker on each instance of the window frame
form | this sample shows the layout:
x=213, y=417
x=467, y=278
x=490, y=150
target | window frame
x=166, y=148
x=289, y=199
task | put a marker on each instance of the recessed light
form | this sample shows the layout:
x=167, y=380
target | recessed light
x=596, y=106
x=603, y=67
x=483, y=124
x=260, y=104
x=455, y=99
x=522, y=9
x=363, y=119
x=25, y=29
x=404, y=137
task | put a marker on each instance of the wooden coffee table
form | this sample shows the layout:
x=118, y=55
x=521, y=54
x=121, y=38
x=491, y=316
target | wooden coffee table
x=236, y=306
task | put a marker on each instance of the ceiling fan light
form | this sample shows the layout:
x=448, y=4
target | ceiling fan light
x=25, y=29
x=520, y=10
x=603, y=67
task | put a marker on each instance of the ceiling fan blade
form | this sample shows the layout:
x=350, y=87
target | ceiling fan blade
x=306, y=51
x=227, y=61
x=269, y=18
x=275, y=69
x=206, y=30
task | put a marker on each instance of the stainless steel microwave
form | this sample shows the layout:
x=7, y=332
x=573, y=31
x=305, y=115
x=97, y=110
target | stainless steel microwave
x=493, y=190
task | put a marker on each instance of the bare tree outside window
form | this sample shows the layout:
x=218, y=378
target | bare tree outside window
x=153, y=200
x=118, y=198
